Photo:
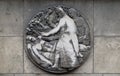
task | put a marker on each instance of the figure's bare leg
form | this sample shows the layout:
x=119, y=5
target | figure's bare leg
x=56, y=61
x=75, y=44
x=35, y=50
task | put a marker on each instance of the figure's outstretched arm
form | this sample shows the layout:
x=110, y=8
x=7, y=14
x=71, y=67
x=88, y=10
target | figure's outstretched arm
x=56, y=29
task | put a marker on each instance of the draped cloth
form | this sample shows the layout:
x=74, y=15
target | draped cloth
x=66, y=51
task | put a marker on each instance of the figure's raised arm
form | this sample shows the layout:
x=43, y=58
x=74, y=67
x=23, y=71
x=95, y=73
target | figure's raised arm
x=56, y=29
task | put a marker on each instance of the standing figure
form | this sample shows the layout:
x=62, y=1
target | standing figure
x=67, y=47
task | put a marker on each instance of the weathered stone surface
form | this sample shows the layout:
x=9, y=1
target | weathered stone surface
x=107, y=17
x=111, y=75
x=87, y=67
x=11, y=17
x=11, y=55
x=27, y=75
x=106, y=22
x=58, y=75
x=72, y=75
x=29, y=67
x=87, y=75
x=6, y=75
x=106, y=55
x=31, y=7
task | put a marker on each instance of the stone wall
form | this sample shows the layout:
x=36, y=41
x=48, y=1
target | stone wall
x=103, y=16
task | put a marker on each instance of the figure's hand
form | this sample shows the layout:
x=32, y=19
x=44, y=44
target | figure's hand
x=31, y=38
x=79, y=55
x=39, y=36
x=83, y=37
x=44, y=34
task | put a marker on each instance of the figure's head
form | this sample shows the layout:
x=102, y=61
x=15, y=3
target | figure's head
x=72, y=12
x=59, y=10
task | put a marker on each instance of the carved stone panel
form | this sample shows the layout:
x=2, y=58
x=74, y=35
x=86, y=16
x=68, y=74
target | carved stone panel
x=58, y=39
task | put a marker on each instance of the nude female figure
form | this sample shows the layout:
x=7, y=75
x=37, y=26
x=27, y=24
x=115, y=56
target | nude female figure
x=67, y=48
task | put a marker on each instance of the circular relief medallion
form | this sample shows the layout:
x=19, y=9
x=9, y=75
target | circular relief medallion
x=58, y=39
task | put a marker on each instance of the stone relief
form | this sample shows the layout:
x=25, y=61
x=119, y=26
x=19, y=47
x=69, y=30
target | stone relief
x=58, y=39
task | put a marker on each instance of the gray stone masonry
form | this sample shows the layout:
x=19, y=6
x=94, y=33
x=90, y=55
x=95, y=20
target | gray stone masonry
x=102, y=15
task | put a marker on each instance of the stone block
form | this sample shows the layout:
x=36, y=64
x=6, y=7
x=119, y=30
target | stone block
x=106, y=55
x=11, y=55
x=11, y=17
x=107, y=17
